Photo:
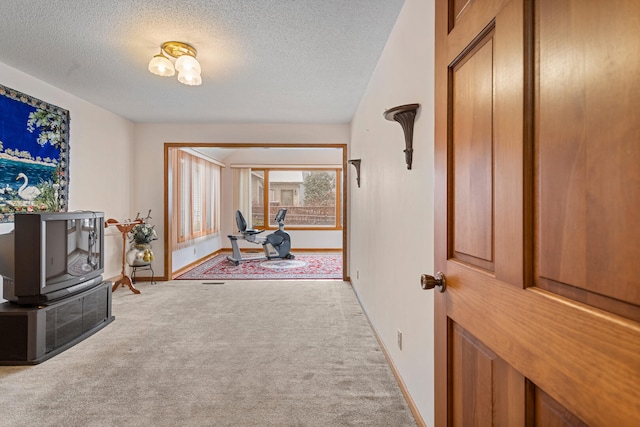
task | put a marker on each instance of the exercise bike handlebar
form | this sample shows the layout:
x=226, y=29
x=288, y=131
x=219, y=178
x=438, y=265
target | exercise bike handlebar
x=282, y=213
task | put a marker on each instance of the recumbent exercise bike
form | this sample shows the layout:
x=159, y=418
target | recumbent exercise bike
x=275, y=245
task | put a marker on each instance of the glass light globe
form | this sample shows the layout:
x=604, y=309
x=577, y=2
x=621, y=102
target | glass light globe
x=188, y=63
x=189, y=78
x=161, y=66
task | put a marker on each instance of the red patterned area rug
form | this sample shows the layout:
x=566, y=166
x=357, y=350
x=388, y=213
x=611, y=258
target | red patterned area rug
x=304, y=266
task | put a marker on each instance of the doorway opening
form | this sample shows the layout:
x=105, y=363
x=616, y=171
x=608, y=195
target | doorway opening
x=232, y=157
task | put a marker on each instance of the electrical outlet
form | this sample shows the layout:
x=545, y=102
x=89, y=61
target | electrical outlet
x=194, y=251
x=357, y=274
x=399, y=339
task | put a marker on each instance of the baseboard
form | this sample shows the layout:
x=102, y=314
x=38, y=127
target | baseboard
x=396, y=374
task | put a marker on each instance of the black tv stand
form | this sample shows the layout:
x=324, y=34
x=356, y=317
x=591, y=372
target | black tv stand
x=30, y=335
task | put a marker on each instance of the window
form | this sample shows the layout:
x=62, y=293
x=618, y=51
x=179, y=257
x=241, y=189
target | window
x=198, y=199
x=197, y=196
x=312, y=197
x=257, y=198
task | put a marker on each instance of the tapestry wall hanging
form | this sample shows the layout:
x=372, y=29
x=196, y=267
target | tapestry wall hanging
x=34, y=155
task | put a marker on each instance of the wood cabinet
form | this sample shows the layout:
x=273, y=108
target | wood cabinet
x=30, y=335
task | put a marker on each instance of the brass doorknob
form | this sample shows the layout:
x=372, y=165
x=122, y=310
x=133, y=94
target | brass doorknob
x=430, y=282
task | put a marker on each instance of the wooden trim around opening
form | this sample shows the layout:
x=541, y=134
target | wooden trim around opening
x=168, y=274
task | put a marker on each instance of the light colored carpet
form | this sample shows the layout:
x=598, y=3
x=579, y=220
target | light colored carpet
x=245, y=353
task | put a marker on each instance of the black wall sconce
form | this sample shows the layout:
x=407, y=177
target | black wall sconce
x=356, y=164
x=405, y=115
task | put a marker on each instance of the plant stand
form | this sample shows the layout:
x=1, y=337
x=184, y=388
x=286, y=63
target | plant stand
x=124, y=228
x=141, y=267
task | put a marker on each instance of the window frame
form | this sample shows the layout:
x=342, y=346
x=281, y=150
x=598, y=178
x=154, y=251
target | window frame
x=267, y=200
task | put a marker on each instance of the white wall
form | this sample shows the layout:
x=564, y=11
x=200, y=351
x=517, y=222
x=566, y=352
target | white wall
x=100, y=157
x=148, y=176
x=391, y=214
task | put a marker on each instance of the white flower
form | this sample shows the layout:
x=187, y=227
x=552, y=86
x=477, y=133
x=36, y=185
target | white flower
x=143, y=233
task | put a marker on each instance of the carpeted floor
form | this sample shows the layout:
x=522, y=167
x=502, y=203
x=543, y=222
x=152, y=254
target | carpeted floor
x=246, y=353
x=304, y=266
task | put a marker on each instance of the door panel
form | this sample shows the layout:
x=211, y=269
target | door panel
x=470, y=21
x=549, y=413
x=588, y=157
x=539, y=321
x=562, y=347
x=487, y=391
x=458, y=6
x=472, y=146
x=471, y=375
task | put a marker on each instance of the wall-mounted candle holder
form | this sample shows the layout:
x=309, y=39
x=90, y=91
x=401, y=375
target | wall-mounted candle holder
x=405, y=115
x=356, y=164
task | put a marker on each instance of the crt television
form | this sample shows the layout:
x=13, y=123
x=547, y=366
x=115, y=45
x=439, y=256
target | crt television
x=51, y=255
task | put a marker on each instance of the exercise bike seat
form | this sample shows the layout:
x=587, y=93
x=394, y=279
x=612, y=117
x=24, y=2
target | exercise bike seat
x=242, y=225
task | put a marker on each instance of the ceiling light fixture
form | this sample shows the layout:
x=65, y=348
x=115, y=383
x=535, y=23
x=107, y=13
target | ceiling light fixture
x=186, y=63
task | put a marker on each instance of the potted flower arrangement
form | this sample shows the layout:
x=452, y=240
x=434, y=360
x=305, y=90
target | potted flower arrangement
x=142, y=235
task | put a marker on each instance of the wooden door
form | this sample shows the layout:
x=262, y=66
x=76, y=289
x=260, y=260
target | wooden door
x=538, y=212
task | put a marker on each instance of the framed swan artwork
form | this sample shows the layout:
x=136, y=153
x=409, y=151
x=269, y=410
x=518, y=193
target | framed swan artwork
x=34, y=155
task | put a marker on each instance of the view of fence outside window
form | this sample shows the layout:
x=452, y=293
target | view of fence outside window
x=311, y=197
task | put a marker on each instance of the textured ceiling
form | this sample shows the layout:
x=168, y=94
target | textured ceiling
x=280, y=61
